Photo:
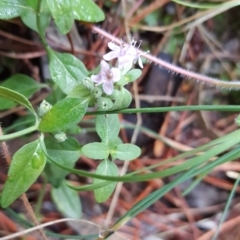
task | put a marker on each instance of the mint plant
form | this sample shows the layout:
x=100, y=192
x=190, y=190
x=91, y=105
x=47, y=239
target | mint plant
x=54, y=153
x=100, y=90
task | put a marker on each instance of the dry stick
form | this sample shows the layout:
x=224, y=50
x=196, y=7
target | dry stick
x=29, y=230
x=172, y=68
x=23, y=197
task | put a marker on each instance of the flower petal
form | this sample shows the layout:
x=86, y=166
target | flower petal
x=108, y=87
x=104, y=66
x=113, y=46
x=97, y=79
x=116, y=74
x=111, y=55
x=125, y=60
x=140, y=62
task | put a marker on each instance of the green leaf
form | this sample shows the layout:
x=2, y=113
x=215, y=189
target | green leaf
x=12, y=8
x=62, y=12
x=62, y=115
x=21, y=84
x=66, y=153
x=106, y=167
x=29, y=18
x=123, y=99
x=80, y=91
x=87, y=10
x=66, y=70
x=133, y=75
x=16, y=97
x=96, y=150
x=126, y=151
x=107, y=127
x=27, y=164
x=67, y=201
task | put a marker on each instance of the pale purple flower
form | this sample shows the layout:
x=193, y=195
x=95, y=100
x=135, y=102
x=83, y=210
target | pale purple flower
x=107, y=76
x=126, y=54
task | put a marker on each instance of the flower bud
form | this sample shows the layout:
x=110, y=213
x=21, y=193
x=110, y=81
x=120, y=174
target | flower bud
x=104, y=103
x=87, y=82
x=44, y=108
x=60, y=136
x=96, y=92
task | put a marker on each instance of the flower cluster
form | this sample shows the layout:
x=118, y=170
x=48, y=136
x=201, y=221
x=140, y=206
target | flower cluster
x=126, y=56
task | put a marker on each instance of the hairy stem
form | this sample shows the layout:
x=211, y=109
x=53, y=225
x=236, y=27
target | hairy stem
x=175, y=69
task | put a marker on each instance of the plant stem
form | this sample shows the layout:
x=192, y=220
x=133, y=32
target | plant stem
x=18, y=134
x=172, y=68
x=229, y=108
x=23, y=197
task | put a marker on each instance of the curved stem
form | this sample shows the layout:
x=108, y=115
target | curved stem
x=175, y=69
x=18, y=134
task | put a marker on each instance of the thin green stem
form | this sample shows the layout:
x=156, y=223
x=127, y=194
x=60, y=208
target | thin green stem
x=226, y=208
x=41, y=33
x=18, y=134
x=229, y=108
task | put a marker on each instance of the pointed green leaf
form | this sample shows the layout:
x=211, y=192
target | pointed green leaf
x=27, y=164
x=66, y=153
x=107, y=127
x=106, y=167
x=21, y=84
x=96, y=150
x=67, y=201
x=126, y=151
x=62, y=115
x=62, y=12
x=16, y=97
x=87, y=10
x=12, y=8
x=66, y=70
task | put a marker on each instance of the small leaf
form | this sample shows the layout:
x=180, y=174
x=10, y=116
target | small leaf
x=65, y=113
x=12, y=8
x=27, y=164
x=66, y=70
x=96, y=150
x=122, y=100
x=107, y=127
x=133, y=75
x=62, y=12
x=16, y=97
x=106, y=167
x=126, y=151
x=67, y=201
x=21, y=84
x=65, y=153
x=88, y=11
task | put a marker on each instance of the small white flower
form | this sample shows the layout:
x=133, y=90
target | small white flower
x=126, y=55
x=107, y=76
